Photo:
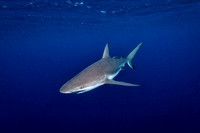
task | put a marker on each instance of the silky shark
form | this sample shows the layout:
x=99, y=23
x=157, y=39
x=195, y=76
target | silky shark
x=99, y=73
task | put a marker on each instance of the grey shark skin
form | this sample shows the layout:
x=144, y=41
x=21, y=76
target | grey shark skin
x=99, y=73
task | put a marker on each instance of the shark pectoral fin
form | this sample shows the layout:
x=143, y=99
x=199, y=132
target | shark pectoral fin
x=110, y=81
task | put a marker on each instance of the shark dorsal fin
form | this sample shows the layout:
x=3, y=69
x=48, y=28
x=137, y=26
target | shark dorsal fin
x=106, y=52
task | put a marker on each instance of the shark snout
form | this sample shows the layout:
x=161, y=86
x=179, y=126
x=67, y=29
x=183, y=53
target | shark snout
x=69, y=88
x=65, y=88
x=62, y=90
x=66, y=91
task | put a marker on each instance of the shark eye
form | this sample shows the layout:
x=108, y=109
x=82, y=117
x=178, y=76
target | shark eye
x=81, y=87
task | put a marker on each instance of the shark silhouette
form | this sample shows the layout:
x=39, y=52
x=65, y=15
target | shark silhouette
x=99, y=73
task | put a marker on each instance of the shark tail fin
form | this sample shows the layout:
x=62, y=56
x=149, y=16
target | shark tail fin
x=131, y=56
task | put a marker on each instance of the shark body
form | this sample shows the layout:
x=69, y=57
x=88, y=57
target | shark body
x=99, y=73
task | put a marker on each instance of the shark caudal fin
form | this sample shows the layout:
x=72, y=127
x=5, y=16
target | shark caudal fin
x=131, y=56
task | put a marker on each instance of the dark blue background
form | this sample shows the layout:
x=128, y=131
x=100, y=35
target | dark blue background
x=45, y=43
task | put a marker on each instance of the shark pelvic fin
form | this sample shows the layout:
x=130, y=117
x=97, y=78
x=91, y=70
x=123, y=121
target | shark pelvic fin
x=106, y=52
x=131, y=56
x=110, y=81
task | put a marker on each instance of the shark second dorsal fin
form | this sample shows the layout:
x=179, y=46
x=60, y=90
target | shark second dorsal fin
x=110, y=81
x=106, y=52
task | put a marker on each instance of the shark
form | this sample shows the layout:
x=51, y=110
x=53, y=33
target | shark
x=99, y=73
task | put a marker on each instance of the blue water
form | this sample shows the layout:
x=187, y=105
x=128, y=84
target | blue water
x=44, y=43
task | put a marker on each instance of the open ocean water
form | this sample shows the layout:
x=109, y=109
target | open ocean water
x=44, y=43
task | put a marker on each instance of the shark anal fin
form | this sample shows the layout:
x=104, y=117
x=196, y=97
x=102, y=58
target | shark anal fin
x=110, y=81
